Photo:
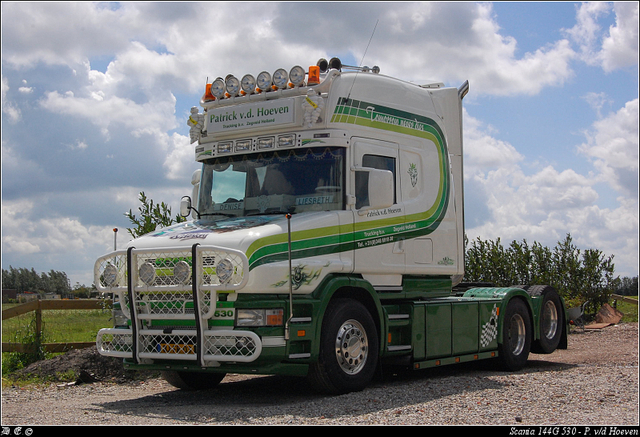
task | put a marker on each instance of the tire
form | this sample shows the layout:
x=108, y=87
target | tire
x=513, y=352
x=551, y=320
x=348, y=349
x=193, y=380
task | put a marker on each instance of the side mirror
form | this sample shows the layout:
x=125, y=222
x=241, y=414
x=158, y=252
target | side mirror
x=185, y=206
x=381, y=188
x=374, y=188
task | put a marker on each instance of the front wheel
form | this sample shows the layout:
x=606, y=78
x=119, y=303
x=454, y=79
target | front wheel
x=513, y=352
x=193, y=380
x=348, y=349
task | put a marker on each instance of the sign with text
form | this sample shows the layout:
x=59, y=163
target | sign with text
x=251, y=115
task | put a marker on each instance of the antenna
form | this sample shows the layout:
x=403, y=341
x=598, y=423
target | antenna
x=363, y=55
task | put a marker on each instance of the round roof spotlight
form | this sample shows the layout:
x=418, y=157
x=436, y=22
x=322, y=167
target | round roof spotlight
x=264, y=81
x=296, y=75
x=233, y=86
x=375, y=69
x=280, y=78
x=248, y=84
x=323, y=64
x=217, y=88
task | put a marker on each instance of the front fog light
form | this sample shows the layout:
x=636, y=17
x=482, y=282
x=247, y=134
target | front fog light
x=224, y=270
x=110, y=275
x=182, y=272
x=147, y=273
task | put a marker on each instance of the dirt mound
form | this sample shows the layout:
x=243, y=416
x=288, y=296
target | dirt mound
x=87, y=365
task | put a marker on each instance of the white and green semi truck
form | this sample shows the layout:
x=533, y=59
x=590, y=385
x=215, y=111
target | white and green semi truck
x=325, y=239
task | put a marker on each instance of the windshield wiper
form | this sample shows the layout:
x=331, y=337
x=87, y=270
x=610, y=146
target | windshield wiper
x=219, y=213
x=291, y=211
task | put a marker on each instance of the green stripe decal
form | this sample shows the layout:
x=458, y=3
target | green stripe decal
x=336, y=239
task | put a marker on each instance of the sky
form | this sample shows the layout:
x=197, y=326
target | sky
x=96, y=96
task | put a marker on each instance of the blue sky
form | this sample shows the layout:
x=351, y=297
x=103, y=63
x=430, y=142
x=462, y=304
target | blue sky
x=95, y=98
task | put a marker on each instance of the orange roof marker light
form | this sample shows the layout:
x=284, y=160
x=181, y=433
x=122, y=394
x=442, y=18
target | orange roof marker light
x=207, y=97
x=314, y=75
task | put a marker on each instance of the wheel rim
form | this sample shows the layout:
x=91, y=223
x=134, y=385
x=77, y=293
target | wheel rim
x=517, y=334
x=352, y=347
x=549, y=324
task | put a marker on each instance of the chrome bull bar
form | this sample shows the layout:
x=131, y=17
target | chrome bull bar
x=174, y=283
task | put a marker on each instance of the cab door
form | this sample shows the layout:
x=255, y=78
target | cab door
x=379, y=255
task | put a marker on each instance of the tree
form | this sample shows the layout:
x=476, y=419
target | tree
x=23, y=279
x=578, y=276
x=628, y=286
x=151, y=216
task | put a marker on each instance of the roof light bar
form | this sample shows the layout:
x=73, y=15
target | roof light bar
x=280, y=80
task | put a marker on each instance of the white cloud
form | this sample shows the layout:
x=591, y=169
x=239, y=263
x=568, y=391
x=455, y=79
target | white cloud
x=483, y=151
x=616, y=50
x=620, y=48
x=9, y=108
x=612, y=145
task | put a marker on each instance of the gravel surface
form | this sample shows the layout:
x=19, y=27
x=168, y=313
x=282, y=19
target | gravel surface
x=594, y=382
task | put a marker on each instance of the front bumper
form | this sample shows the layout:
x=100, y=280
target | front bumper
x=153, y=344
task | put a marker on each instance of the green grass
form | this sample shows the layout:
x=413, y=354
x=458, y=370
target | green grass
x=629, y=310
x=59, y=326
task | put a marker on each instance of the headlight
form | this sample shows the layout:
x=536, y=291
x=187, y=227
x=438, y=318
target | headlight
x=147, y=273
x=182, y=272
x=224, y=270
x=259, y=317
x=264, y=81
x=296, y=75
x=110, y=275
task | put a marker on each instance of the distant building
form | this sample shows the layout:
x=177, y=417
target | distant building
x=9, y=294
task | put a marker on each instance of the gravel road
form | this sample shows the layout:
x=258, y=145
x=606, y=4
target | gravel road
x=594, y=382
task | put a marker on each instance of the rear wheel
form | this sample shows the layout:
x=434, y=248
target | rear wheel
x=551, y=319
x=513, y=352
x=348, y=349
x=193, y=380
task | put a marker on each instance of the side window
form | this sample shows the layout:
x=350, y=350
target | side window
x=362, y=178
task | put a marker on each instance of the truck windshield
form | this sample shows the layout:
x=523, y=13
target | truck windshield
x=294, y=181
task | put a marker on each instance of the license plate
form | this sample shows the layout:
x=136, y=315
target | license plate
x=179, y=349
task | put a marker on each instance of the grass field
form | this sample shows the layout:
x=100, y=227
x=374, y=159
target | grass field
x=59, y=326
